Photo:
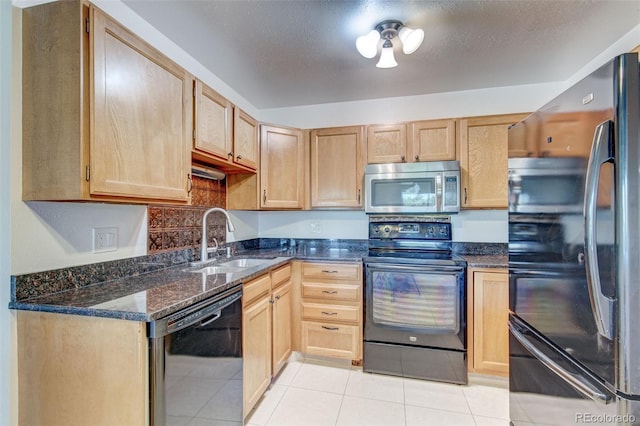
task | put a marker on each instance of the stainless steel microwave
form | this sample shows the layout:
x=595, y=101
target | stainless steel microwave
x=547, y=184
x=424, y=187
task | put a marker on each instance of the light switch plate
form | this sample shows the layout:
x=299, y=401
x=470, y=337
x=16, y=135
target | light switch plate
x=105, y=239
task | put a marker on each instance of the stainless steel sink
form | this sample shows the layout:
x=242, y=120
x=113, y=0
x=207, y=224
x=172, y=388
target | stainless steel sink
x=244, y=263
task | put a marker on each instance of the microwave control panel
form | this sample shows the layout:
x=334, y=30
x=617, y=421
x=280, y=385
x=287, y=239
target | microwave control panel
x=450, y=191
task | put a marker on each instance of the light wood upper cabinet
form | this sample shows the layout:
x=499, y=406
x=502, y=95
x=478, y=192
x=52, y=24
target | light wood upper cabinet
x=387, y=143
x=337, y=167
x=245, y=139
x=432, y=140
x=483, y=160
x=224, y=136
x=95, y=125
x=213, y=123
x=488, y=317
x=428, y=140
x=281, y=168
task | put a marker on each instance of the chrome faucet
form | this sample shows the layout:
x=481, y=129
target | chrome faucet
x=204, y=250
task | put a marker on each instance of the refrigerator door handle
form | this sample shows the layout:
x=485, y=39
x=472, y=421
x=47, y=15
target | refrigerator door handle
x=574, y=380
x=600, y=153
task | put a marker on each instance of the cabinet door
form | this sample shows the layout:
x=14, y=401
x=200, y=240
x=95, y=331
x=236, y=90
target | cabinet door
x=387, y=143
x=245, y=139
x=256, y=351
x=432, y=140
x=141, y=124
x=213, y=121
x=490, y=316
x=282, y=299
x=281, y=168
x=483, y=160
x=337, y=167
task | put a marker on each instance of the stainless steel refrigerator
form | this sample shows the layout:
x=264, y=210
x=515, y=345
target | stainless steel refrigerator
x=574, y=254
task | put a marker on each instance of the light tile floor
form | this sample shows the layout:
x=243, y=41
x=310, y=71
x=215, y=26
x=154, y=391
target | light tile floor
x=319, y=392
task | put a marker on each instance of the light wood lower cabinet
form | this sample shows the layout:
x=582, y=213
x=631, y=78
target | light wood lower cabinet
x=488, y=335
x=331, y=309
x=266, y=331
x=81, y=370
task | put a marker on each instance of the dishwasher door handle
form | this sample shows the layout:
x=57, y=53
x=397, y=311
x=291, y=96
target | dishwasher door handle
x=211, y=319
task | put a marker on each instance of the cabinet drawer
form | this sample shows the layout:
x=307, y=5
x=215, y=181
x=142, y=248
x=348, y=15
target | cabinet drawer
x=349, y=292
x=256, y=288
x=281, y=275
x=332, y=340
x=341, y=313
x=331, y=271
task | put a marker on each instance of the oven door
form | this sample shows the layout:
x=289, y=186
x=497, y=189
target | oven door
x=415, y=305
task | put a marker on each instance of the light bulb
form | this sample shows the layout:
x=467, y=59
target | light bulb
x=367, y=45
x=386, y=57
x=411, y=39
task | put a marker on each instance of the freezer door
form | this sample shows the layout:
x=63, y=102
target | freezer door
x=547, y=387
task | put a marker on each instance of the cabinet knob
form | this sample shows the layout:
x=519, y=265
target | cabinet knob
x=264, y=196
x=278, y=297
x=465, y=195
x=230, y=154
x=417, y=158
x=403, y=158
x=239, y=157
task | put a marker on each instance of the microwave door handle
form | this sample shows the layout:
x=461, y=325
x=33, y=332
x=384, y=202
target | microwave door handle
x=602, y=305
x=439, y=206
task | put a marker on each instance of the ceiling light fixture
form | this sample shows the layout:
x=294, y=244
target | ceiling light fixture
x=367, y=44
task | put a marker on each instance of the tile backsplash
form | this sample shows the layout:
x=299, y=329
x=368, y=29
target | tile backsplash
x=180, y=227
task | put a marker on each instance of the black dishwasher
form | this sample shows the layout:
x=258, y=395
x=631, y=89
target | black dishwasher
x=196, y=363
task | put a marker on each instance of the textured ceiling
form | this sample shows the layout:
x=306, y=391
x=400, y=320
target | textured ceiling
x=291, y=53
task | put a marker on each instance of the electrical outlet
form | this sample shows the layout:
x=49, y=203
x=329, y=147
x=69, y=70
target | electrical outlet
x=316, y=227
x=105, y=239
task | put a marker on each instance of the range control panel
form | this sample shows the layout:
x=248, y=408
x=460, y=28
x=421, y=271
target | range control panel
x=410, y=230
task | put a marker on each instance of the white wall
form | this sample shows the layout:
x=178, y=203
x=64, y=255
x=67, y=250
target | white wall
x=489, y=226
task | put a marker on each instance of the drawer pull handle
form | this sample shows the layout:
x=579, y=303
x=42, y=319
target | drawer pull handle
x=327, y=271
x=330, y=328
x=329, y=313
x=330, y=291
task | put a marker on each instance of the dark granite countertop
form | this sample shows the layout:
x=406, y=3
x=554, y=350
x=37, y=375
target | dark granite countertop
x=486, y=261
x=152, y=287
x=148, y=296
x=156, y=293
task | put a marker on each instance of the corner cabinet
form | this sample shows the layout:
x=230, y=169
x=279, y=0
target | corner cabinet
x=483, y=160
x=95, y=125
x=488, y=341
x=337, y=167
x=281, y=168
x=280, y=182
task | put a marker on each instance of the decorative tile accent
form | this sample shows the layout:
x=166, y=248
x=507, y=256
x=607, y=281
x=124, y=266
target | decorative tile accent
x=180, y=227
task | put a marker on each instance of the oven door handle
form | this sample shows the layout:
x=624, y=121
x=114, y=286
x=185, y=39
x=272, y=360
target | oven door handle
x=413, y=268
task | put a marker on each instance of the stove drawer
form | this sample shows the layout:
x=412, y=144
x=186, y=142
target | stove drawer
x=331, y=340
x=331, y=271
x=348, y=292
x=338, y=313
